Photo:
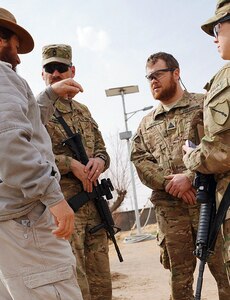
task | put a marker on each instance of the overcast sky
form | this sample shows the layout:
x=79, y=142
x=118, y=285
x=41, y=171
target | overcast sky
x=111, y=40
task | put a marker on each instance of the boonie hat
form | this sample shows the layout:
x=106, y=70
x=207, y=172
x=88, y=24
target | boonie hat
x=222, y=11
x=57, y=53
x=8, y=21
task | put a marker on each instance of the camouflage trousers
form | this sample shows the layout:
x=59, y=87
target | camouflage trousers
x=91, y=252
x=226, y=251
x=177, y=224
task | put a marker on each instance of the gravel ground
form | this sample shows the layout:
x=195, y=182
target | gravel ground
x=141, y=277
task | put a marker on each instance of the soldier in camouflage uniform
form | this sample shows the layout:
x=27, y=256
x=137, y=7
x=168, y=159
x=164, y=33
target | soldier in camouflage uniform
x=212, y=156
x=91, y=250
x=157, y=155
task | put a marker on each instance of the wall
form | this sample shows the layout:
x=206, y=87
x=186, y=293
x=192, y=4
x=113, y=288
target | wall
x=125, y=220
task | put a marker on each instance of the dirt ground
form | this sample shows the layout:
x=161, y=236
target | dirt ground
x=141, y=277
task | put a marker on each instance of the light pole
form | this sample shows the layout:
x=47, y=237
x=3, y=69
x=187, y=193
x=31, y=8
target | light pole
x=127, y=135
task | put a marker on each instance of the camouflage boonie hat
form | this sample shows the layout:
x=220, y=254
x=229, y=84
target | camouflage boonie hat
x=222, y=12
x=57, y=53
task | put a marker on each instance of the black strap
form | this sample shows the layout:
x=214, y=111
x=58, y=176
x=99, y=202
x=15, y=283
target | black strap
x=219, y=218
x=83, y=197
x=63, y=123
x=80, y=199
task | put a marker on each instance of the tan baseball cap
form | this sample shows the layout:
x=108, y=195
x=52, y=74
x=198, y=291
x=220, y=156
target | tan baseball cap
x=57, y=53
x=8, y=21
x=222, y=11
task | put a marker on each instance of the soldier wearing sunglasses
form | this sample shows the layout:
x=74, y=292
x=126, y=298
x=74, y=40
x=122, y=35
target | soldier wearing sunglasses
x=212, y=156
x=90, y=250
x=157, y=155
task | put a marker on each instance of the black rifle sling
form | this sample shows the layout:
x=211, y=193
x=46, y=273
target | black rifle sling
x=63, y=123
x=81, y=198
x=219, y=218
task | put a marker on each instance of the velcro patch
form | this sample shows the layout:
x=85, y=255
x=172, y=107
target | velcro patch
x=220, y=112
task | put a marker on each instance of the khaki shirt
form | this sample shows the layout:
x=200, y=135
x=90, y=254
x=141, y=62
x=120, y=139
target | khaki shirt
x=213, y=154
x=157, y=146
x=28, y=169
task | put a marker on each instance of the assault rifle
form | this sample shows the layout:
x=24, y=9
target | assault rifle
x=100, y=191
x=205, y=186
x=205, y=241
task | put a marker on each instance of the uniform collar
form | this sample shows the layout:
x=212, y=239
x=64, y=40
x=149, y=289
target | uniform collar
x=64, y=106
x=208, y=85
x=182, y=102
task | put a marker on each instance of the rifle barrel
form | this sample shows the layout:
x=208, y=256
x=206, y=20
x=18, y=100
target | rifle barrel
x=200, y=280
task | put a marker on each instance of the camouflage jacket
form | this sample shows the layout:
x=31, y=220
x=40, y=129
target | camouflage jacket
x=157, y=145
x=79, y=119
x=213, y=154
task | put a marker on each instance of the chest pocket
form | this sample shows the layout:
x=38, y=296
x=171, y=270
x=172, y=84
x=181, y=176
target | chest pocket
x=217, y=109
x=154, y=137
x=166, y=137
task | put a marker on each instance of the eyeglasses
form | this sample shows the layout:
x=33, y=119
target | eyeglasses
x=216, y=28
x=157, y=75
x=61, y=68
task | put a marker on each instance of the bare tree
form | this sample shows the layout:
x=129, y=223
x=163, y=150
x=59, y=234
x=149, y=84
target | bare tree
x=119, y=169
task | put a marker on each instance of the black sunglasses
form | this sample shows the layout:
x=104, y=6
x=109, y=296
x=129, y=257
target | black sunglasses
x=61, y=68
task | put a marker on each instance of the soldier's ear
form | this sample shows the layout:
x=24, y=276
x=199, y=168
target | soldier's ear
x=176, y=73
x=73, y=71
x=43, y=74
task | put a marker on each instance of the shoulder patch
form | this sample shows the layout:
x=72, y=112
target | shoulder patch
x=219, y=87
x=220, y=112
